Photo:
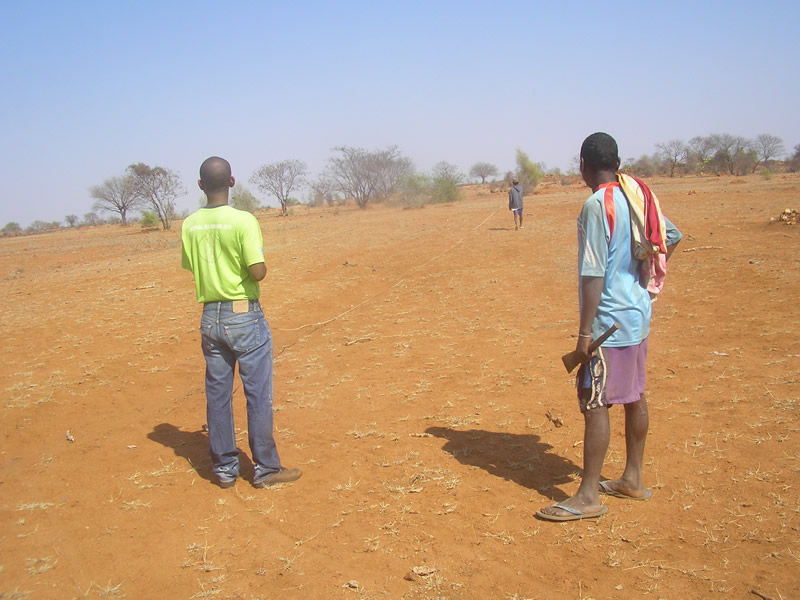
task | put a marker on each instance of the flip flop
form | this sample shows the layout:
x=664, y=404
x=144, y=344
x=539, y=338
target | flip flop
x=609, y=491
x=575, y=514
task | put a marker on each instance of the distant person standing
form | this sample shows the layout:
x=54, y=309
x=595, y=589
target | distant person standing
x=223, y=248
x=515, y=202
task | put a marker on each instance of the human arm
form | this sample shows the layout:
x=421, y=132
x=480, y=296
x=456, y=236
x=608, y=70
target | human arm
x=253, y=249
x=674, y=236
x=590, y=290
x=593, y=239
x=258, y=271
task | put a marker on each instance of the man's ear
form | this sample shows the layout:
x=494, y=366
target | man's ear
x=581, y=165
x=232, y=181
x=619, y=162
x=200, y=184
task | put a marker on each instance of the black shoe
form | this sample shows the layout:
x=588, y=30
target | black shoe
x=282, y=476
x=226, y=483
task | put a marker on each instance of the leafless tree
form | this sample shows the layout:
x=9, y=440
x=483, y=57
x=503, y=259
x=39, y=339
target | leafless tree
x=323, y=191
x=447, y=171
x=391, y=167
x=793, y=163
x=483, y=170
x=37, y=226
x=71, y=220
x=366, y=176
x=744, y=161
x=673, y=153
x=117, y=195
x=159, y=187
x=91, y=218
x=726, y=147
x=279, y=179
x=766, y=147
x=700, y=152
x=354, y=172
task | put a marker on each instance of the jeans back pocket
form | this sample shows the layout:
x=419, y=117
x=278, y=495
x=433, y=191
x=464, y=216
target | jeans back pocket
x=245, y=336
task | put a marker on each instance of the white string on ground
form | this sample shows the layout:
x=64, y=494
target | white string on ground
x=394, y=285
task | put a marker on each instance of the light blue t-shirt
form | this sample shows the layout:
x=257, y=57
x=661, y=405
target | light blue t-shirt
x=624, y=301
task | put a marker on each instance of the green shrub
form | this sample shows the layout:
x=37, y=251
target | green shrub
x=445, y=189
x=528, y=172
x=414, y=191
x=149, y=219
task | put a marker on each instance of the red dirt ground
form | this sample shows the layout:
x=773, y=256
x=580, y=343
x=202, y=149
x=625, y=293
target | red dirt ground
x=417, y=361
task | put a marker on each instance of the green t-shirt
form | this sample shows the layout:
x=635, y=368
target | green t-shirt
x=218, y=246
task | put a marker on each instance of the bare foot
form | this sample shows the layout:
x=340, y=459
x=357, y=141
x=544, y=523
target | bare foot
x=620, y=489
x=559, y=509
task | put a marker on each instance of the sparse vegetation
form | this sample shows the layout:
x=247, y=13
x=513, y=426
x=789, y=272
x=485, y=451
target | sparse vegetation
x=149, y=220
x=117, y=195
x=280, y=179
x=367, y=176
x=158, y=187
x=483, y=170
x=243, y=199
x=424, y=479
x=527, y=172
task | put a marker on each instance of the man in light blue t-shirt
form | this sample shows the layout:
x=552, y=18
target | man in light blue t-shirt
x=610, y=291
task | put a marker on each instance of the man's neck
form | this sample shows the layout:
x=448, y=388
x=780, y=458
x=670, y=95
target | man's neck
x=602, y=177
x=213, y=200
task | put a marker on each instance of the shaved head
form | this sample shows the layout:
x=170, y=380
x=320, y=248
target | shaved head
x=215, y=174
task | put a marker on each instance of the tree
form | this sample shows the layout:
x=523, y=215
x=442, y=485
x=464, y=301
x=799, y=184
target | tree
x=444, y=170
x=745, y=161
x=11, y=228
x=323, y=191
x=527, y=172
x=415, y=190
x=149, y=220
x=159, y=187
x=794, y=162
x=700, y=152
x=726, y=147
x=446, y=179
x=71, y=219
x=117, y=195
x=243, y=199
x=483, y=170
x=644, y=166
x=766, y=146
x=366, y=176
x=673, y=153
x=37, y=226
x=390, y=167
x=91, y=218
x=279, y=179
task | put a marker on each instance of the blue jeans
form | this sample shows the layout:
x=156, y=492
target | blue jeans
x=228, y=338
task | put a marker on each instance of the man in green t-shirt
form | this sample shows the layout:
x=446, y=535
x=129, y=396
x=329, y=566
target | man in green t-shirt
x=223, y=248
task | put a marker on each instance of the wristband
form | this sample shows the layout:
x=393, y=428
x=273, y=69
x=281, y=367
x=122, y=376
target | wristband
x=584, y=335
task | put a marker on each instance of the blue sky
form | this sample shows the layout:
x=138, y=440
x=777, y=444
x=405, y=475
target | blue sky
x=91, y=87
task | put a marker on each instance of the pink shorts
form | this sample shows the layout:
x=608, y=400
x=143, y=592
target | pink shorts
x=613, y=376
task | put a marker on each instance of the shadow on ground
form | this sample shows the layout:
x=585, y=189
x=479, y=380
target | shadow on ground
x=521, y=458
x=193, y=446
